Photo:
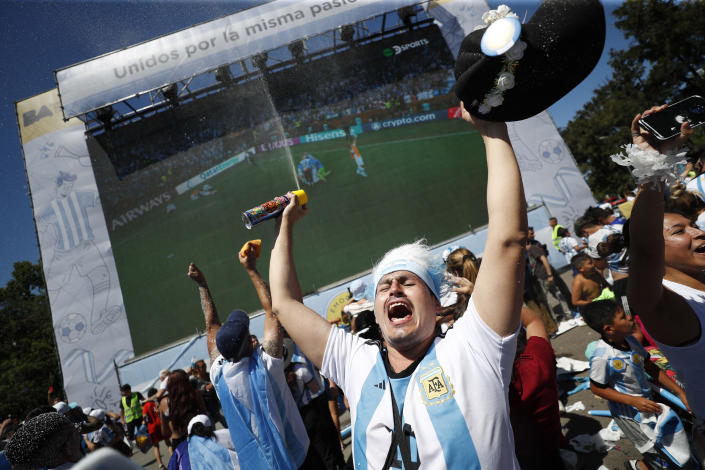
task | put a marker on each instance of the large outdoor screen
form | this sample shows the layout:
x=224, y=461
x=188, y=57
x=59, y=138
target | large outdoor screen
x=173, y=185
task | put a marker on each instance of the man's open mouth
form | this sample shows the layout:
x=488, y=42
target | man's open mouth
x=398, y=311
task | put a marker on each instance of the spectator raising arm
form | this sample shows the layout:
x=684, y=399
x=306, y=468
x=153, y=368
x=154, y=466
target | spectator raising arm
x=500, y=282
x=659, y=309
x=272, y=337
x=533, y=324
x=308, y=329
x=210, y=314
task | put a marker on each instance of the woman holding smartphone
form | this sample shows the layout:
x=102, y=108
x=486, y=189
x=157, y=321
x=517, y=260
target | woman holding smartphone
x=667, y=275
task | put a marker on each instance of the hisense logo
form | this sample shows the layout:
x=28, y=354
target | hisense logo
x=398, y=49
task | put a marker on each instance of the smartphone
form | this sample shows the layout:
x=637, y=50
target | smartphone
x=667, y=123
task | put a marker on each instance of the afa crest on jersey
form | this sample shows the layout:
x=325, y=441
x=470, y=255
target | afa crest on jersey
x=637, y=358
x=435, y=386
x=618, y=364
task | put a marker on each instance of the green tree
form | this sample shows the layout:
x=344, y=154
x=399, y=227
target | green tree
x=664, y=64
x=29, y=363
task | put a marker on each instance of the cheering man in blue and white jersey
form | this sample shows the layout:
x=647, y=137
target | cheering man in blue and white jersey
x=419, y=400
x=263, y=419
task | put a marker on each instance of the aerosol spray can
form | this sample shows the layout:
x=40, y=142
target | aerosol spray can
x=271, y=209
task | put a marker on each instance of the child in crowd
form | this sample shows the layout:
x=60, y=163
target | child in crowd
x=588, y=283
x=618, y=369
x=568, y=245
x=150, y=411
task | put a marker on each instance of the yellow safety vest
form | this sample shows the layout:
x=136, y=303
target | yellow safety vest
x=556, y=238
x=134, y=411
x=606, y=294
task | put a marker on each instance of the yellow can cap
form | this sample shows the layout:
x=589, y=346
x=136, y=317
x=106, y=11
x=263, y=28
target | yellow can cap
x=301, y=196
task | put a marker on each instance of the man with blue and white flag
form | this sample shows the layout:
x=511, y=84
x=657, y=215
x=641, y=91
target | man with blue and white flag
x=262, y=416
x=420, y=399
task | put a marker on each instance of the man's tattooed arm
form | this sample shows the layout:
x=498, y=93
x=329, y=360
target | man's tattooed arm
x=210, y=313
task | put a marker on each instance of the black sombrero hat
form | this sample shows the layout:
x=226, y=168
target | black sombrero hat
x=562, y=43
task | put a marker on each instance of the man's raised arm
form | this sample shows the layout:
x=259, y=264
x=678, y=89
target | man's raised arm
x=308, y=329
x=210, y=314
x=272, y=338
x=500, y=282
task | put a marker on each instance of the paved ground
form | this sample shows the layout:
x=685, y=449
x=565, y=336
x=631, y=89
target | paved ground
x=149, y=462
x=571, y=344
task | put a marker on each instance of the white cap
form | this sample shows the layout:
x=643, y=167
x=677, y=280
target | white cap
x=203, y=419
x=98, y=414
x=61, y=407
x=356, y=308
x=358, y=289
x=597, y=238
x=446, y=253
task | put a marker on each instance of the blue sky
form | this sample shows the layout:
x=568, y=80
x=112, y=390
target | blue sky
x=39, y=37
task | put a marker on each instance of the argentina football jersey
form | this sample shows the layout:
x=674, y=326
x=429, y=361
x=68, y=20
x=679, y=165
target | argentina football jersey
x=451, y=409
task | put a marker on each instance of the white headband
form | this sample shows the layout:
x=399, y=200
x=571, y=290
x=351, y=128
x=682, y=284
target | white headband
x=393, y=265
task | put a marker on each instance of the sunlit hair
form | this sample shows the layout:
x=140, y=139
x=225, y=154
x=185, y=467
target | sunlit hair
x=686, y=203
x=411, y=257
x=462, y=262
x=183, y=400
x=613, y=244
x=598, y=213
x=600, y=313
x=582, y=222
x=579, y=260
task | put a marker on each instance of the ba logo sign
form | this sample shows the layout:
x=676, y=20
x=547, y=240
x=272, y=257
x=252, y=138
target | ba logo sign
x=335, y=307
x=387, y=52
x=30, y=117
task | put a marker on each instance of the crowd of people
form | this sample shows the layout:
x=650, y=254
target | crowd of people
x=284, y=101
x=440, y=364
x=166, y=149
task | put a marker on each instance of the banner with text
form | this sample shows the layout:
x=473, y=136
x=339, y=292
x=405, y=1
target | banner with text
x=211, y=172
x=406, y=120
x=177, y=56
x=86, y=302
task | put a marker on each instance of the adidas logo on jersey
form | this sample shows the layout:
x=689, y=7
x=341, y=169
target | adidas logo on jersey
x=382, y=385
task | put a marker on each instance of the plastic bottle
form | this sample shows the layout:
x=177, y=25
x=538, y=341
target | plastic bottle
x=271, y=209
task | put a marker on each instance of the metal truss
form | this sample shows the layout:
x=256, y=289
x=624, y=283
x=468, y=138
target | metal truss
x=150, y=102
